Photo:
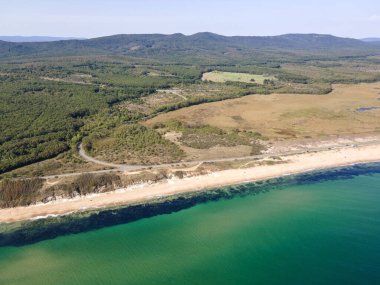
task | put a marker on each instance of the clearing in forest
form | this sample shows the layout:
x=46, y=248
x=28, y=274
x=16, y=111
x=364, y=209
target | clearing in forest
x=221, y=77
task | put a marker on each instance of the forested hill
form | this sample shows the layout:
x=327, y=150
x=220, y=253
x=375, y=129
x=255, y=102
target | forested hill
x=201, y=45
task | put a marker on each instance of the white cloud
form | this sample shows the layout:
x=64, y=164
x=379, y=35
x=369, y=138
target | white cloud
x=375, y=18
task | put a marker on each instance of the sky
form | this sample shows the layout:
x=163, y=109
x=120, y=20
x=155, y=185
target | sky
x=95, y=18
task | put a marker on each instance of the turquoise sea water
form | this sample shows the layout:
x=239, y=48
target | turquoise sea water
x=321, y=232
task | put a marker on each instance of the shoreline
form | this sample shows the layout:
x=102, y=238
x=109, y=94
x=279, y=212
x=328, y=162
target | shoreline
x=140, y=194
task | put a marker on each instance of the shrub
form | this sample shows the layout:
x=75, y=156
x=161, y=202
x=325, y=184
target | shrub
x=14, y=193
x=91, y=183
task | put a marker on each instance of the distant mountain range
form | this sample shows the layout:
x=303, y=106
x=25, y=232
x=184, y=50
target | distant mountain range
x=27, y=39
x=371, y=40
x=201, y=46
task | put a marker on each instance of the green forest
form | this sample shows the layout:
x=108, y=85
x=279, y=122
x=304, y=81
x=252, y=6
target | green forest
x=54, y=95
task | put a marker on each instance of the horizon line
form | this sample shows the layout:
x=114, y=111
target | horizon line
x=177, y=33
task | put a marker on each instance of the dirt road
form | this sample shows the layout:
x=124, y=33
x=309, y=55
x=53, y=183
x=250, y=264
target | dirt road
x=127, y=167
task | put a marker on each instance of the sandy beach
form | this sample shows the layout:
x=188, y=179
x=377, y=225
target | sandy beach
x=143, y=193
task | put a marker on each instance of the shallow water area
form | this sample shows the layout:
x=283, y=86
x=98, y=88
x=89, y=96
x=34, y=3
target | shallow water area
x=367, y=109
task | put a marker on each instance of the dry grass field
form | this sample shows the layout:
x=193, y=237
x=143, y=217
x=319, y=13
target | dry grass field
x=329, y=71
x=280, y=116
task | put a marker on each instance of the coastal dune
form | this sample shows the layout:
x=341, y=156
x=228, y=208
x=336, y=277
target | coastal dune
x=148, y=192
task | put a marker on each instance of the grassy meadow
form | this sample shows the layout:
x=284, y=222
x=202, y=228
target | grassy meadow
x=222, y=77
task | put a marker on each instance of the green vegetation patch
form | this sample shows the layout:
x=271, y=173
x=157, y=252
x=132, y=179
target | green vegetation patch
x=135, y=144
x=222, y=77
x=206, y=136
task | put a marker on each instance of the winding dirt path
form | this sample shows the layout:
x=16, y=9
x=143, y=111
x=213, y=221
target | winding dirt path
x=127, y=167
x=123, y=167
